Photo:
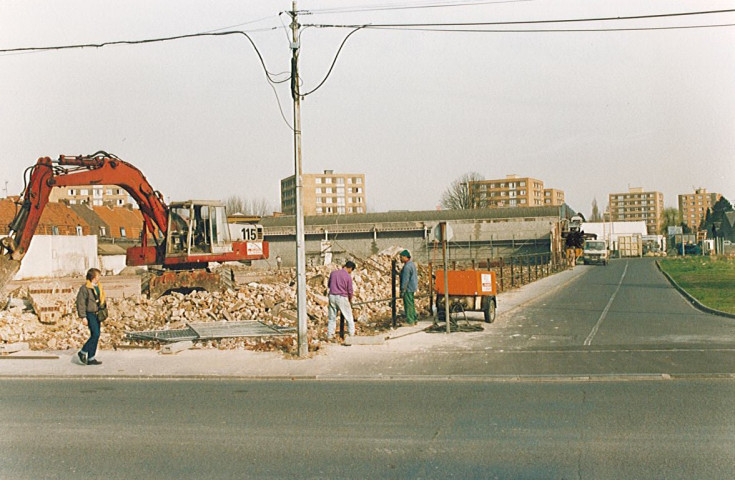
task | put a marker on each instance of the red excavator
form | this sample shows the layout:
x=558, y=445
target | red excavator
x=186, y=236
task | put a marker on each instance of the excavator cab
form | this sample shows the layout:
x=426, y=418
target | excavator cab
x=197, y=228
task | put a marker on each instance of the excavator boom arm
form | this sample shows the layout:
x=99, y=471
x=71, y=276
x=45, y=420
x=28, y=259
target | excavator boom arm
x=98, y=169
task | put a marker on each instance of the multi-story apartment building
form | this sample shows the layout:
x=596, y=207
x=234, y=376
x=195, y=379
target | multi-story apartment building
x=325, y=193
x=693, y=206
x=513, y=191
x=553, y=196
x=637, y=205
x=94, y=195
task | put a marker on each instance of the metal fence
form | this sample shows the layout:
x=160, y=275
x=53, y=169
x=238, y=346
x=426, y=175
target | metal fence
x=511, y=272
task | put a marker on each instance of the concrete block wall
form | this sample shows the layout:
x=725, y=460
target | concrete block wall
x=59, y=256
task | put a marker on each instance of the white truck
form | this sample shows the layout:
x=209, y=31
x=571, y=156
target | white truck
x=595, y=251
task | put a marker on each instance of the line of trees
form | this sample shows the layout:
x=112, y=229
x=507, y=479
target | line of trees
x=236, y=204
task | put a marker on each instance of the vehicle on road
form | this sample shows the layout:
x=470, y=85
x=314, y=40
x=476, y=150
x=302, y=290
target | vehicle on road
x=595, y=251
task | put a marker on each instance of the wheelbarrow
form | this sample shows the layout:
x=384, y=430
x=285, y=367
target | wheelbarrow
x=469, y=290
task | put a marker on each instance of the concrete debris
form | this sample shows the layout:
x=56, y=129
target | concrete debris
x=13, y=347
x=271, y=299
x=177, y=347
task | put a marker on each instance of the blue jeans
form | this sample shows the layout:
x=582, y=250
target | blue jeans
x=90, y=347
x=338, y=302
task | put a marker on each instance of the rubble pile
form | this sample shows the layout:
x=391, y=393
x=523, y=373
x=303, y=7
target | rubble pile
x=271, y=299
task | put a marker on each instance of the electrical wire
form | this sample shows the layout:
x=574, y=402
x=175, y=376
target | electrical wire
x=408, y=6
x=554, y=30
x=329, y=72
x=242, y=25
x=280, y=107
x=524, y=22
x=270, y=76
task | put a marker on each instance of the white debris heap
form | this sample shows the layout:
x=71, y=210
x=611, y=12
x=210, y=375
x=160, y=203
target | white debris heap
x=271, y=299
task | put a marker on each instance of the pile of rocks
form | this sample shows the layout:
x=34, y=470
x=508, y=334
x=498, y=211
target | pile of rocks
x=271, y=299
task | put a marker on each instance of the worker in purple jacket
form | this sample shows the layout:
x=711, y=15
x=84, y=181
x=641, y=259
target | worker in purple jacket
x=340, y=297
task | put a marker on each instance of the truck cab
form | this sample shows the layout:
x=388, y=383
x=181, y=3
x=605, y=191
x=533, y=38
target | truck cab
x=595, y=251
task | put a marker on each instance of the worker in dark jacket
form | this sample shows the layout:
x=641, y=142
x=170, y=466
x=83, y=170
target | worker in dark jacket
x=90, y=299
x=409, y=285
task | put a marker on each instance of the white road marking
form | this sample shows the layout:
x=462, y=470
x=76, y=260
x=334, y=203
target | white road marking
x=588, y=340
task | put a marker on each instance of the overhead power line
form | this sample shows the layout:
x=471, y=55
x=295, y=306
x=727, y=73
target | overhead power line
x=268, y=74
x=477, y=25
x=549, y=30
x=407, y=6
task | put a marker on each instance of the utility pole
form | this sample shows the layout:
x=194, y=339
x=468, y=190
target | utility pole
x=303, y=341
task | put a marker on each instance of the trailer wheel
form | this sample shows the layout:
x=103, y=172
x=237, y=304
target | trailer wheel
x=489, y=309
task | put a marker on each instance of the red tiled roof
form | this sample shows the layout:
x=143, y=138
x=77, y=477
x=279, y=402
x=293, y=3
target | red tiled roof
x=7, y=212
x=54, y=215
x=121, y=218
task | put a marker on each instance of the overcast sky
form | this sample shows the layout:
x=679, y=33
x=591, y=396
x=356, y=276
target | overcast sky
x=590, y=113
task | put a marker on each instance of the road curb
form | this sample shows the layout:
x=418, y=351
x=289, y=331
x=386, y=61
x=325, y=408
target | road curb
x=695, y=303
x=551, y=378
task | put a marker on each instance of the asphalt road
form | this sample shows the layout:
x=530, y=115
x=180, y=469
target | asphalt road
x=621, y=320
x=673, y=429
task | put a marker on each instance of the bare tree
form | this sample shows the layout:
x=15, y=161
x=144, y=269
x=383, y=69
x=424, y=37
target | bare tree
x=260, y=207
x=457, y=195
x=236, y=204
x=233, y=204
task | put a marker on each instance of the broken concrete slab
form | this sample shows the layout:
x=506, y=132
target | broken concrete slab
x=13, y=347
x=177, y=347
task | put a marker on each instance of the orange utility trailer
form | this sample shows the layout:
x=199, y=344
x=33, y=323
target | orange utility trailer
x=474, y=290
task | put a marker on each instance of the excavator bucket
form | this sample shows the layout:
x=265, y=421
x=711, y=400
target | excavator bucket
x=8, y=269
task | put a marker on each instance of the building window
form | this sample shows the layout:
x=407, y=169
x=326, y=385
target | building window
x=79, y=230
x=54, y=230
x=122, y=232
x=103, y=231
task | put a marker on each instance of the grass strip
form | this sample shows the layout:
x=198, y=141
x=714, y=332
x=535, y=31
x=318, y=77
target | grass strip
x=711, y=280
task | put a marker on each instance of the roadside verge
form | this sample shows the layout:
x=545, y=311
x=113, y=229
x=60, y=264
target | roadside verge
x=696, y=303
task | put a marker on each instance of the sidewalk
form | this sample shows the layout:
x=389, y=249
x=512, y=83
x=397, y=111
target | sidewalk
x=406, y=353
